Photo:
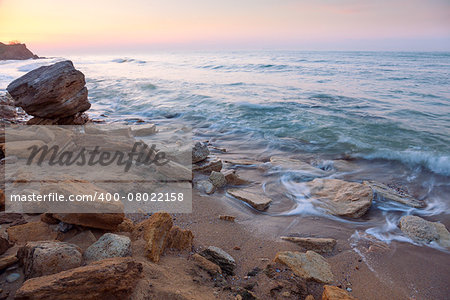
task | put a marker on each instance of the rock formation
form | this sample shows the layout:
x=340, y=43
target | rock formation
x=15, y=51
x=54, y=94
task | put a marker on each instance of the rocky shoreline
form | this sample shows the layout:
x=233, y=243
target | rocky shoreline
x=209, y=254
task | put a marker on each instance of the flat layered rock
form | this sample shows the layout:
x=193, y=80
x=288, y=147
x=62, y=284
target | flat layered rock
x=233, y=179
x=252, y=197
x=316, y=244
x=206, y=264
x=298, y=166
x=391, y=194
x=421, y=230
x=309, y=265
x=33, y=231
x=50, y=92
x=339, y=197
x=7, y=261
x=221, y=258
x=106, y=221
x=47, y=257
x=113, y=278
x=208, y=165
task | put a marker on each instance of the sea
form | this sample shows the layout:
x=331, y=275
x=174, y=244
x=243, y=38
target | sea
x=386, y=112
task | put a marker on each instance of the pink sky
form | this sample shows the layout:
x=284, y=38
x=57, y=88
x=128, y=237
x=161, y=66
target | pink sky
x=115, y=25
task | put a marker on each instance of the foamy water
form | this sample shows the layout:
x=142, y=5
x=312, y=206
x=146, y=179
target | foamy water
x=390, y=111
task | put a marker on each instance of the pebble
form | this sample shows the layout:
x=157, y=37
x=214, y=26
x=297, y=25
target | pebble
x=349, y=289
x=12, y=277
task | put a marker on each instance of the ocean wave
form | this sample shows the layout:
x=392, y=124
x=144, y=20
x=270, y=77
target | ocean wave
x=439, y=164
x=128, y=60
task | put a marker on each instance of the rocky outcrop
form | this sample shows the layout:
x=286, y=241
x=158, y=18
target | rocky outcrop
x=309, y=265
x=54, y=94
x=113, y=278
x=207, y=265
x=15, y=52
x=224, y=260
x=46, y=258
x=252, y=197
x=34, y=231
x=385, y=192
x=108, y=246
x=180, y=239
x=316, y=244
x=340, y=198
x=233, y=179
x=423, y=231
x=334, y=293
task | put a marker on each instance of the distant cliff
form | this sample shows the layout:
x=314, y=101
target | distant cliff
x=15, y=51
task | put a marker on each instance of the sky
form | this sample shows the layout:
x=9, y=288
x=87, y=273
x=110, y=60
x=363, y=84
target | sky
x=53, y=26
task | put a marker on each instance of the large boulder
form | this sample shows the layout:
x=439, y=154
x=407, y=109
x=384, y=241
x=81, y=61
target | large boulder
x=113, y=278
x=47, y=257
x=339, y=197
x=15, y=51
x=51, y=92
x=390, y=194
x=108, y=246
x=423, y=231
x=309, y=265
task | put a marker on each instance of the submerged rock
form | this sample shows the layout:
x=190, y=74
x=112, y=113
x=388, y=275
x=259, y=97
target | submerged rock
x=315, y=244
x=221, y=258
x=390, y=194
x=16, y=52
x=108, y=245
x=252, y=197
x=341, y=198
x=218, y=179
x=309, y=265
x=51, y=92
x=200, y=152
x=112, y=278
x=334, y=293
x=46, y=258
x=233, y=179
x=424, y=231
x=298, y=166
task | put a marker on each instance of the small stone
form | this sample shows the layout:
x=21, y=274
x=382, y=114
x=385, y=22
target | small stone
x=108, y=245
x=309, y=265
x=349, y=289
x=227, y=218
x=221, y=258
x=200, y=152
x=237, y=248
x=218, y=179
x=12, y=277
x=207, y=186
x=255, y=199
x=309, y=297
x=207, y=265
x=64, y=227
x=334, y=293
x=254, y=272
x=286, y=294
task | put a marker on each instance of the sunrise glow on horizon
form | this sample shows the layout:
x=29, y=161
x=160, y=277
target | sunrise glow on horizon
x=52, y=25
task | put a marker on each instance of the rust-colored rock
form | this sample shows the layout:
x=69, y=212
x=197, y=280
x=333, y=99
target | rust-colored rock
x=107, y=221
x=48, y=218
x=2, y=199
x=207, y=265
x=334, y=293
x=180, y=239
x=113, y=278
x=7, y=261
x=155, y=231
x=126, y=226
x=34, y=231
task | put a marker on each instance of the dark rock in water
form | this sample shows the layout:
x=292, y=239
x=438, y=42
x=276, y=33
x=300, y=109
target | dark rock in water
x=51, y=92
x=15, y=51
x=7, y=109
x=78, y=119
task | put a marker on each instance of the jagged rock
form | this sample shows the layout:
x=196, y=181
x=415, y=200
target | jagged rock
x=107, y=221
x=4, y=245
x=7, y=261
x=112, y=278
x=12, y=277
x=180, y=239
x=252, y=197
x=51, y=92
x=46, y=258
x=218, y=179
x=206, y=265
x=155, y=231
x=29, y=232
x=334, y=293
x=390, y=194
x=15, y=52
x=316, y=244
x=221, y=258
x=424, y=231
x=309, y=265
x=108, y=245
x=298, y=166
x=233, y=179
x=341, y=198
x=200, y=152
x=208, y=165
